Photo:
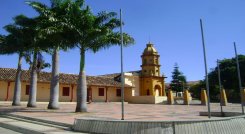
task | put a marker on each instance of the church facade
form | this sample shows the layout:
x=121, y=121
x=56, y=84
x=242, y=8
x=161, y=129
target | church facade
x=144, y=86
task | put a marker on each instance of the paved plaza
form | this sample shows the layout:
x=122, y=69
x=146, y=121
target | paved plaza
x=112, y=111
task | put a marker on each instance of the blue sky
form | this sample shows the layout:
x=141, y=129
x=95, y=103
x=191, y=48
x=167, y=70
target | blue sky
x=171, y=25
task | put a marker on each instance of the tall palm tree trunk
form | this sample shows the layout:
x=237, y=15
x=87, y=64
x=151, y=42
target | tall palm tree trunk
x=33, y=84
x=54, y=87
x=17, y=86
x=82, y=86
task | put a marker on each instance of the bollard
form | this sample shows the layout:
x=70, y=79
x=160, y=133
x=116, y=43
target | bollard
x=204, y=98
x=223, y=99
x=186, y=97
x=170, y=97
x=243, y=96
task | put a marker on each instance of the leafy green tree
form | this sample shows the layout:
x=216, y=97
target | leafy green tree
x=91, y=33
x=178, y=80
x=195, y=89
x=229, y=79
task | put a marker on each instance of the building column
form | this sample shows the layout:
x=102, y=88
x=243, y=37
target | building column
x=106, y=97
x=72, y=87
x=163, y=91
x=160, y=92
x=7, y=96
x=163, y=87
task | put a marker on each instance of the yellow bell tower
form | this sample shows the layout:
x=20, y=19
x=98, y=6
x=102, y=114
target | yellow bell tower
x=151, y=81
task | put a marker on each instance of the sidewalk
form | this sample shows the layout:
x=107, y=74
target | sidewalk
x=150, y=112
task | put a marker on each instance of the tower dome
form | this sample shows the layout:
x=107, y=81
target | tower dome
x=149, y=50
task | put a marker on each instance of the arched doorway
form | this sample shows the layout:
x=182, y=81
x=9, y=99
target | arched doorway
x=157, y=90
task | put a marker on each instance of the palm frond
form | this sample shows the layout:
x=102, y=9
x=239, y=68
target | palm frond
x=113, y=23
x=24, y=21
x=27, y=57
x=12, y=29
x=39, y=7
x=2, y=37
x=104, y=16
x=41, y=64
x=55, y=3
x=79, y=3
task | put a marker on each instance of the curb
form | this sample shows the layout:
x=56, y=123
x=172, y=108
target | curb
x=19, y=129
x=30, y=119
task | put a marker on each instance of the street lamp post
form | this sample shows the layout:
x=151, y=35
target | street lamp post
x=122, y=74
x=206, y=70
x=220, y=87
x=239, y=77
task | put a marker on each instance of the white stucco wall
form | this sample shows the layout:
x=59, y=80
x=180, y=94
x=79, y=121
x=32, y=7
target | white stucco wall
x=133, y=80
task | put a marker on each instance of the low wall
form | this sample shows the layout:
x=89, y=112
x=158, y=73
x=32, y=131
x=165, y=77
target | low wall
x=219, y=114
x=228, y=125
x=147, y=99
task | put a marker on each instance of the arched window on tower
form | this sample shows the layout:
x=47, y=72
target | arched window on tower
x=145, y=61
x=156, y=61
x=157, y=72
x=152, y=73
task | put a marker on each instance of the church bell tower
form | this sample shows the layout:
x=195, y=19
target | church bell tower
x=151, y=81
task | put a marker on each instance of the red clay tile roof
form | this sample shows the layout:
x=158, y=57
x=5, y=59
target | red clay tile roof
x=8, y=74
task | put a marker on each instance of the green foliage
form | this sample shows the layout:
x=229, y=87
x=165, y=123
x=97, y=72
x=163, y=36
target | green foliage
x=14, y=41
x=94, y=32
x=195, y=89
x=68, y=24
x=229, y=80
x=19, y=38
x=178, y=80
x=53, y=24
x=23, y=38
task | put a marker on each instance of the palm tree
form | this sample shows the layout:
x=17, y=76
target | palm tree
x=54, y=33
x=29, y=25
x=86, y=31
x=5, y=49
x=36, y=45
x=15, y=42
x=90, y=32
